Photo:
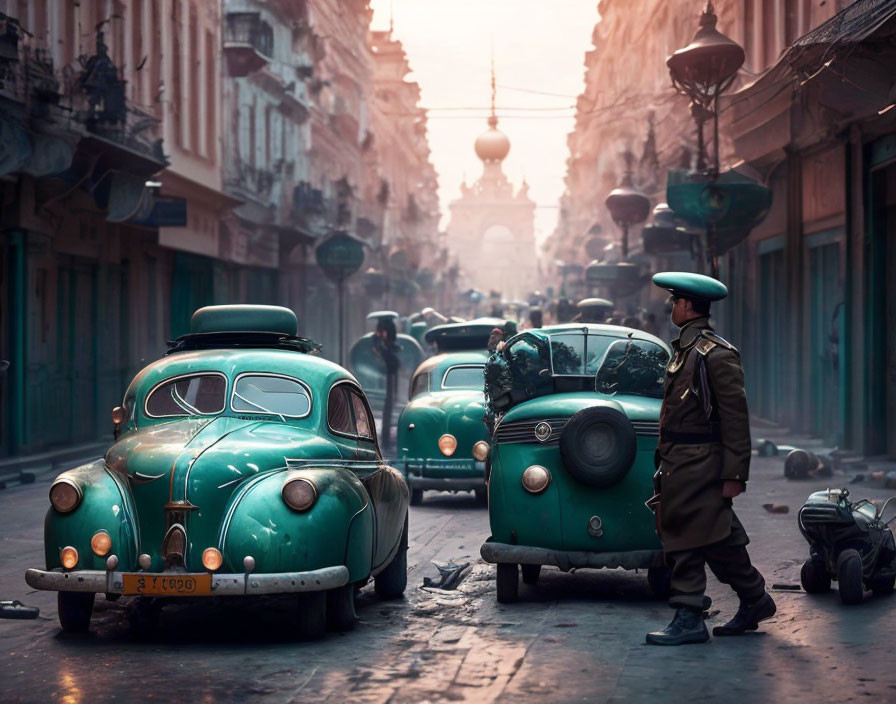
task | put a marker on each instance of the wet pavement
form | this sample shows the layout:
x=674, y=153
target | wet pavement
x=572, y=638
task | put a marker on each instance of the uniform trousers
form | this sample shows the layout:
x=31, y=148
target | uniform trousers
x=729, y=562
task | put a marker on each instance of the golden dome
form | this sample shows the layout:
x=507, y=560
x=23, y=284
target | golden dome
x=492, y=145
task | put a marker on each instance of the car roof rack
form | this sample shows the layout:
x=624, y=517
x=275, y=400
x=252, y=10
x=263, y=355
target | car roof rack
x=242, y=340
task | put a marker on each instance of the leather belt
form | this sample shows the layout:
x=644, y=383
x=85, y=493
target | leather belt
x=690, y=438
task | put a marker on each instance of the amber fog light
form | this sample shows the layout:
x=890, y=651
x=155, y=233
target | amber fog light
x=447, y=444
x=536, y=479
x=101, y=543
x=212, y=559
x=65, y=495
x=69, y=557
x=299, y=494
x=480, y=450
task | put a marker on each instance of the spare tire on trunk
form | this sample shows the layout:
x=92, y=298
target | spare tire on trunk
x=598, y=446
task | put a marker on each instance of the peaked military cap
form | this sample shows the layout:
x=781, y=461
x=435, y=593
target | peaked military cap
x=691, y=286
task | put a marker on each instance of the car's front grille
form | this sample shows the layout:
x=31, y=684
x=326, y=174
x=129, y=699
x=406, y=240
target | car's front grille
x=524, y=430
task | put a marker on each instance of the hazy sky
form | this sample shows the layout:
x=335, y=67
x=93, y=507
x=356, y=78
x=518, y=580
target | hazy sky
x=539, y=46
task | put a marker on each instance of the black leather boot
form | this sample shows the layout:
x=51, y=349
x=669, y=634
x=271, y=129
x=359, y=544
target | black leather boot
x=686, y=627
x=748, y=617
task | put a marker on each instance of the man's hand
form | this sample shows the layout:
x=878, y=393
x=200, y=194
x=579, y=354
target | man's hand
x=732, y=488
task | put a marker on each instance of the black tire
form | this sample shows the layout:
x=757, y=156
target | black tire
x=598, y=446
x=75, y=609
x=881, y=586
x=531, y=573
x=508, y=582
x=392, y=581
x=481, y=496
x=659, y=578
x=311, y=615
x=416, y=497
x=814, y=576
x=849, y=577
x=341, y=614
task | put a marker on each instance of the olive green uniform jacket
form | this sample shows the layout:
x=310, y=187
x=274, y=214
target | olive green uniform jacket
x=703, y=396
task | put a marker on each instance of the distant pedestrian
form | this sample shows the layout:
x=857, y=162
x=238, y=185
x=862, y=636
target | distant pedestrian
x=386, y=348
x=703, y=463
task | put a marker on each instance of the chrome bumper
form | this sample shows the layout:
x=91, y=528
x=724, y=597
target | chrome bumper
x=569, y=559
x=446, y=483
x=222, y=584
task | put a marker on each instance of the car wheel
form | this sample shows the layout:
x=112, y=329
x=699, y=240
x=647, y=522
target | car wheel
x=881, y=586
x=311, y=615
x=849, y=577
x=508, y=582
x=416, y=497
x=598, y=446
x=659, y=578
x=481, y=496
x=392, y=581
x=814, y=576
x=531, y=573
x=341, y=614
x=75, y=609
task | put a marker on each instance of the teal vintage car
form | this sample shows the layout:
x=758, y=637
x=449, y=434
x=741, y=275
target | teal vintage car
x=244, y=465
x=442, y=439
x=576, y=412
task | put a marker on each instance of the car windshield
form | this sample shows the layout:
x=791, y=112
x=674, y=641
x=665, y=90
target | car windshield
x=466, y=377
x=194, y=395
x=577, y=353
x=632, y=367
x=276, y=395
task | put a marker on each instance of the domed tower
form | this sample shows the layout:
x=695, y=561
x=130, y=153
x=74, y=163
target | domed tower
x=491, y=230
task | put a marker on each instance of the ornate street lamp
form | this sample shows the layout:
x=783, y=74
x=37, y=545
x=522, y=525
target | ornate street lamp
x=702, y=71
x=627, y=205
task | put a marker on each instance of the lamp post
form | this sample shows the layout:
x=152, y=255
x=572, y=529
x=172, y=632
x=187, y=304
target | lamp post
x=702, y=71
x=627, y=205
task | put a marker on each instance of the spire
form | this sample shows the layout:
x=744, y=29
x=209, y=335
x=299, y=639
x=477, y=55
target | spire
x=391, y=17
x=493, y=118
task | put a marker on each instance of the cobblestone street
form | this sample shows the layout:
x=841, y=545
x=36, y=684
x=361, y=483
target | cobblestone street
x=571, y=638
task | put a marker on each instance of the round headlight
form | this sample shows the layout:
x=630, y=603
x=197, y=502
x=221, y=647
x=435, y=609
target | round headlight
x=68, y=556
x=101, y=543
x=299, y=494
x=536, y=479
x=65, y=495
x=447, y=444
x=212, y=559
x=480, y=450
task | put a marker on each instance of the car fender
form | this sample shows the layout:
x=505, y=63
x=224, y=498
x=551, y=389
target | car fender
x=337, y=530
x=107, y=505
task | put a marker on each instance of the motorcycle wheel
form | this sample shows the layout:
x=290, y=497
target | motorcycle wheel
x=849, y=577
x=814, y=576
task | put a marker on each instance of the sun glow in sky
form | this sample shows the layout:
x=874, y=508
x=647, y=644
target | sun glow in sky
x=539, y=52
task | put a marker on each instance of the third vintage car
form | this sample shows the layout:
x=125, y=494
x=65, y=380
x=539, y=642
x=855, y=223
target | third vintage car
x=577, y=419
x=244, y=465
x=442, y=438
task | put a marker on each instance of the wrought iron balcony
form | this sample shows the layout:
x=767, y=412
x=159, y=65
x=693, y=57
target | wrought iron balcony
x=248, y=42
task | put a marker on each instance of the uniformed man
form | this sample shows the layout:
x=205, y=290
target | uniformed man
x=703, y=463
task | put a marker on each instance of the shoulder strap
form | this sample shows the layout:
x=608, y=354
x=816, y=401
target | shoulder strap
x=709, y=340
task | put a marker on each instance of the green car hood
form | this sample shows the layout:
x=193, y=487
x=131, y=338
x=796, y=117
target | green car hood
x=200, y=464
x=459, y=412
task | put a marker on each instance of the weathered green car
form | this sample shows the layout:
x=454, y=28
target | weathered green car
x=243, y=466
x=577, y=419
x=442, y=439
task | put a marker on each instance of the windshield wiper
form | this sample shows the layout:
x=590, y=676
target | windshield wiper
x=260, y=407
x=179, y=400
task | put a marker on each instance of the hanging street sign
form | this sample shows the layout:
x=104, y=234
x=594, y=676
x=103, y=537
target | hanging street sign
x=340, y=256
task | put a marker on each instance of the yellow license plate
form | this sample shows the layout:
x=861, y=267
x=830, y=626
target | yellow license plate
x=168, y=584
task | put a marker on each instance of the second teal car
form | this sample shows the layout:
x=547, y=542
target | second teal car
x=443, y=442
